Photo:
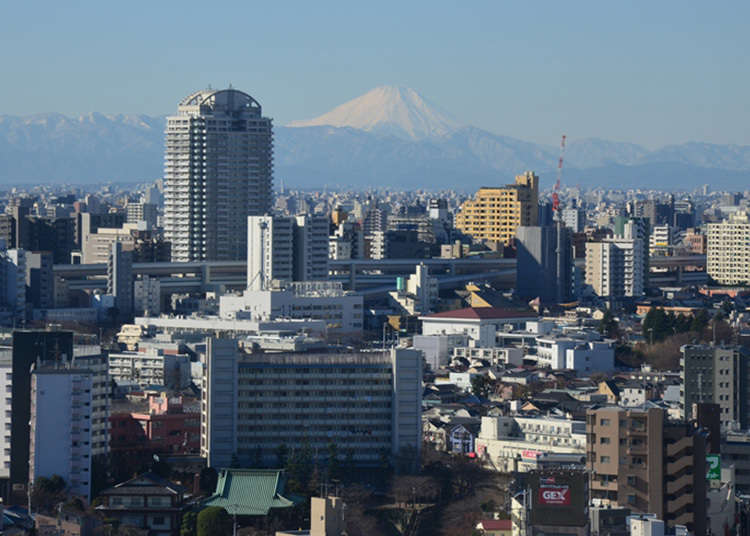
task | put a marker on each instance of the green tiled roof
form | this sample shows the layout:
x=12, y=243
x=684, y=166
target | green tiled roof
x=250, y=492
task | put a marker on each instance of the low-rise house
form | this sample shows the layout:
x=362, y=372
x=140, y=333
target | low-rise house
x=434, y=433
x=634, y=394
x=446, y=392
x=495, y=527
x=67, y=522
x=461, y=437
x=610, y=389
x=519, y=376
x=145, y=502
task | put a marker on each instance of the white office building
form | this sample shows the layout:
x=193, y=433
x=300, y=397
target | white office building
x=218, y=169
x=367, y=403
x=286, y=249
x=270, y=250
x=61, y=431
x=318, y=300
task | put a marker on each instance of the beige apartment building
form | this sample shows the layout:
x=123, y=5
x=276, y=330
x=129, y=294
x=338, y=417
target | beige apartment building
x=728, y=250
x=495, y=213
x=615, y=267
x=639, y=460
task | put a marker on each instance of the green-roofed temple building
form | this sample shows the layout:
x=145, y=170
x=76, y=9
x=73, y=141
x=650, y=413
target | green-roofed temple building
x=250, y=492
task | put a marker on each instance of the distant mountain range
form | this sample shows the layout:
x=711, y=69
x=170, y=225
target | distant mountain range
x=387, y=137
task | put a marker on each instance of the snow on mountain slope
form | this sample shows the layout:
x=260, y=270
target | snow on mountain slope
x=387, y=110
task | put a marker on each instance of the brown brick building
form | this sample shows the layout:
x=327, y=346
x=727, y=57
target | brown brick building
x=639, y=460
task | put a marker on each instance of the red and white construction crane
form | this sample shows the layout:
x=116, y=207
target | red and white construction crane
x=560, y=253
x=556, y=189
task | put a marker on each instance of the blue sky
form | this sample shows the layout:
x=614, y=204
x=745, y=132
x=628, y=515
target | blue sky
x=652, y=73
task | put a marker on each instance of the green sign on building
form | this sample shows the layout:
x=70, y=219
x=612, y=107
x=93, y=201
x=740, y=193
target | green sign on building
x=713, y=461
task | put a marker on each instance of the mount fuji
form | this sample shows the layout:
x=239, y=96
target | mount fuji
x=388, y=137
x=386, y=110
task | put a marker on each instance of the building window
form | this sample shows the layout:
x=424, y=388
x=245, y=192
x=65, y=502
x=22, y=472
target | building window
x=604, y=440
x=604, y=459
x=604, y=422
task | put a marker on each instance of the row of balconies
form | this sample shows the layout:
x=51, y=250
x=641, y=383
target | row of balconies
x=272, y=378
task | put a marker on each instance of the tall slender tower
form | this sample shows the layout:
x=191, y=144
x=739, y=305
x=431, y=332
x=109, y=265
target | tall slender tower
x=218, y=170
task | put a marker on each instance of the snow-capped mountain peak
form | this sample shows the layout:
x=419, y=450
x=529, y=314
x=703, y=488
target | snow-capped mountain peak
x=388, y=110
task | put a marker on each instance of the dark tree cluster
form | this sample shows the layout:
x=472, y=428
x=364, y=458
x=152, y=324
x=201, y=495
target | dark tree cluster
x=658, y=325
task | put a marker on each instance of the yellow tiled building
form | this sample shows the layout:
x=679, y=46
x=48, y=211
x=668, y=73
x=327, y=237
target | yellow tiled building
x=495, y=213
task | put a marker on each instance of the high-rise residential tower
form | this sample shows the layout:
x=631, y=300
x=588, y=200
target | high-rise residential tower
x=496, y=212
x=614, y=268
x=218, y=170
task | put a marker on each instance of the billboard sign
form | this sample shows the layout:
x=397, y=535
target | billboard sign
x=558, y=498
x=554, y=495
x=713, y=465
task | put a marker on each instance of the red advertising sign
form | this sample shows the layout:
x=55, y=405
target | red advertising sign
x=554, y=495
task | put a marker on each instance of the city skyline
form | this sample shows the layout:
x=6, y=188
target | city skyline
x=375, y=269
x=629, y=73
